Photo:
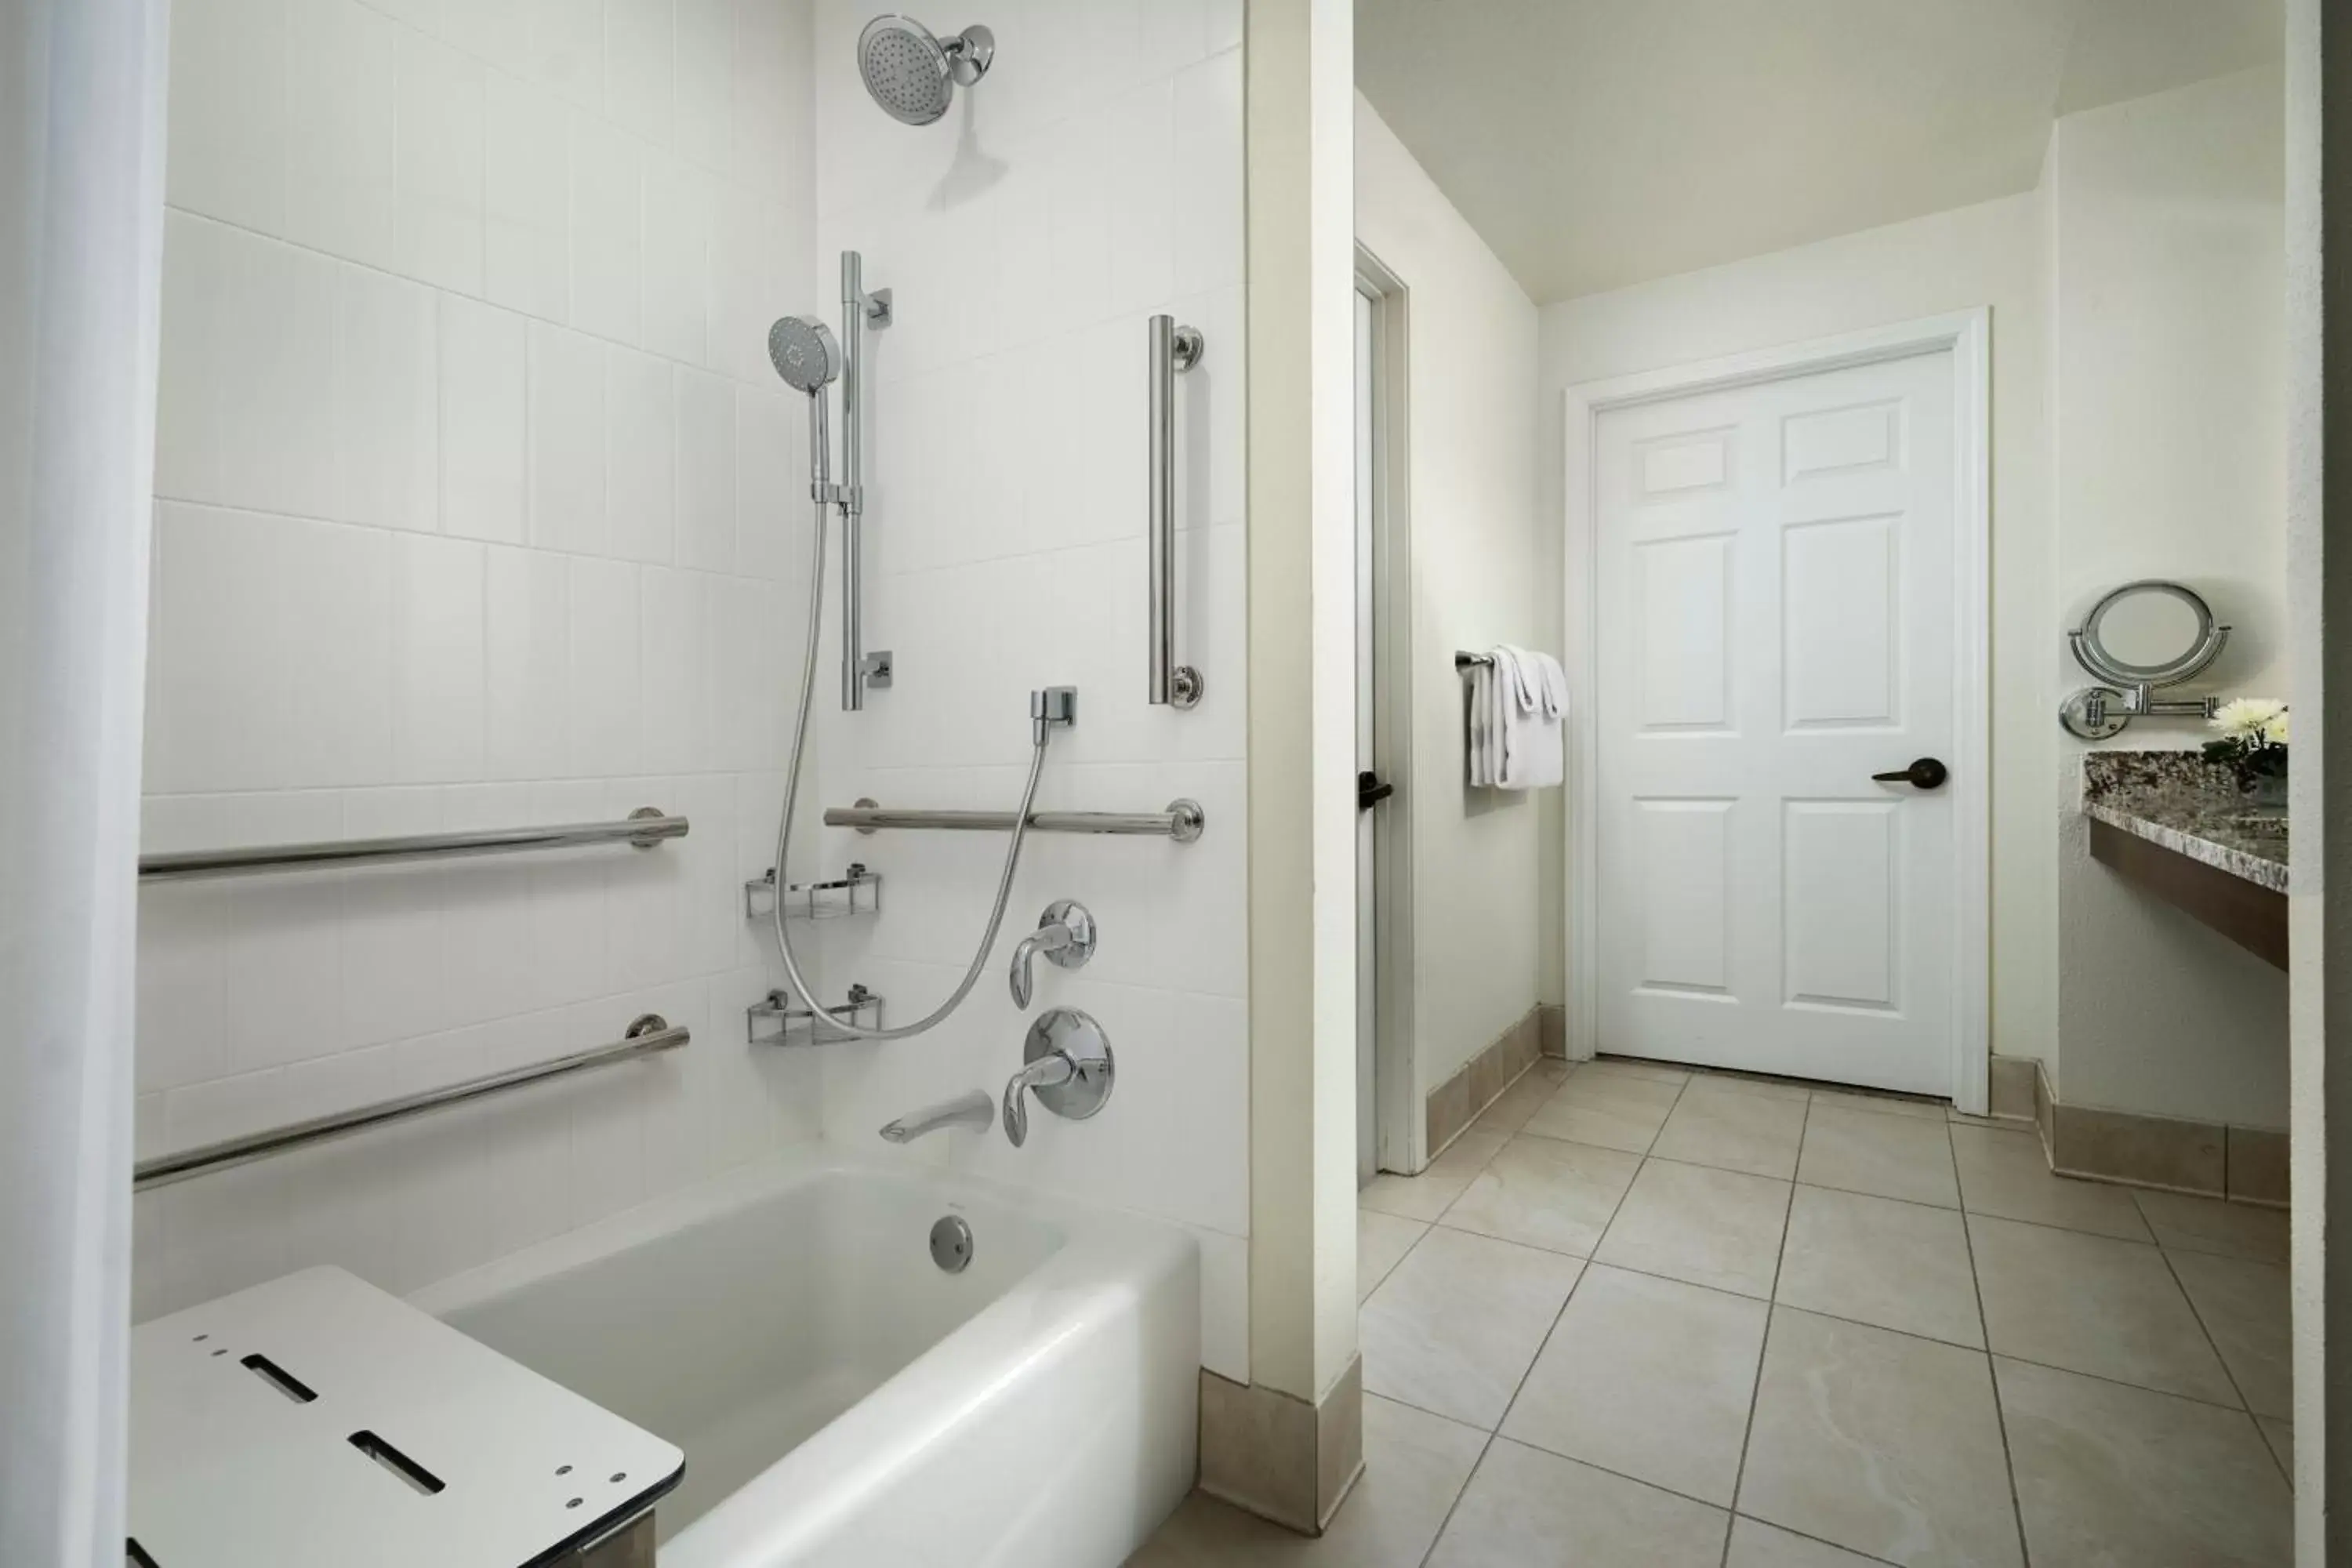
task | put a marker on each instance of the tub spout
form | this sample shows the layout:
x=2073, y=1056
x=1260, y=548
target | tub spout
x=973, y=1109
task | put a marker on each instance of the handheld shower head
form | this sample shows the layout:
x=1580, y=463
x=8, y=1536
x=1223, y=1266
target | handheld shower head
x=804, y=352
x=912, y=74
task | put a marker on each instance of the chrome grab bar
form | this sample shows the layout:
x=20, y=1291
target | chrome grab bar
x=1182, y=821
x=1174, y=349
x=646, y=827
x=647, y=1035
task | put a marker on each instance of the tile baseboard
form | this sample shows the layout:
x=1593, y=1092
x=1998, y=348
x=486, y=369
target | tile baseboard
x=1277, y=1456
x=2212, y=1158
x=1457, y=1102
x=1552, y=1031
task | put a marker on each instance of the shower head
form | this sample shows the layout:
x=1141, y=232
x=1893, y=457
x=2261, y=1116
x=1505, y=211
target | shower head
x=804, y=353
x=913, y=75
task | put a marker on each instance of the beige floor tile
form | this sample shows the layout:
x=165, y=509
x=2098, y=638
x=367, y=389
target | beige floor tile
x=1755, y=1545
x=1529, y=1509
x=2243, y=1306
x=2113, y=1474
x=1382, y=1240
x=2092, y=1304
x=2004, y=1173
x=1880, y=1442
x=1516, y=1104
x=1455, y=1326
x=1546, y=1193
x=1878, y=1260
x=1608, y=1109
x=1883, y=1104
x=2209, y=1224
x=1887, y=1156
x=2279, y=1436
x=1633, y=1067
x=1425, y=1196
x=1552, y=1067
x=1733, y=1128
x=1414, y=1465
x=1717, y=1229
x=1789, y=1088
x=1648, y=1377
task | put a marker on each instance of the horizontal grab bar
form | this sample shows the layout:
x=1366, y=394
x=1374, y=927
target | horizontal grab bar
x=1182, y=821
x=647, y=1035
x=644, y=827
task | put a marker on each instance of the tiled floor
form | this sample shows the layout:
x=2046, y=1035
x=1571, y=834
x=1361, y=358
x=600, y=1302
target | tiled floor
x=1640, y=1317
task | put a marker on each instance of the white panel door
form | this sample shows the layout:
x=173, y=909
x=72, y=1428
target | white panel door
x=1776, y=625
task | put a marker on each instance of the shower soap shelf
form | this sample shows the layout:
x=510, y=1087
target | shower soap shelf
x=856, y=891
x=317, y=1419
x=778, y=1020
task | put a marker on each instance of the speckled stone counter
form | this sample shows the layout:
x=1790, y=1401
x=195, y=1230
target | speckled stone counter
x=2191, y=806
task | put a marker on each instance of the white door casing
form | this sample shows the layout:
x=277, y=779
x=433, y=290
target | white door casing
x=1777, y=569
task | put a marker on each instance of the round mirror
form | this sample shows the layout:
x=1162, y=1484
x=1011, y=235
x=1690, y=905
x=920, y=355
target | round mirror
x=2148, y=634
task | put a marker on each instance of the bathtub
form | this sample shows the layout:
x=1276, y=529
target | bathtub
x=842, y=1400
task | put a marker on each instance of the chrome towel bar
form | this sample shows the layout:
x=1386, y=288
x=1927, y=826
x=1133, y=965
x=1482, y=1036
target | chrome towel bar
x=1471, y=660
x=1182, y=821
x=647, y=1035
x=646, y=827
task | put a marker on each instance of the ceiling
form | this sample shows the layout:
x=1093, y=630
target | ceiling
x=1595, y=144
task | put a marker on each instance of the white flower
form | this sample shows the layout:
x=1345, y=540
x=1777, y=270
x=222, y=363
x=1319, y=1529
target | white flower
x=2250, y=717
x=2274, y=733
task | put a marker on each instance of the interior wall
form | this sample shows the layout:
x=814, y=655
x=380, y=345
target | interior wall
x=1989, y=255
x=472, y=484
x=2167, y=252
x=1093, y=179
x=1477, y=538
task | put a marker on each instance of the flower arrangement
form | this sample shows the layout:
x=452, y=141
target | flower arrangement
x=2253, y=744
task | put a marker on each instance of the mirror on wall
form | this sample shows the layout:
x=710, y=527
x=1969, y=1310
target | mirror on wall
x=2142, y=635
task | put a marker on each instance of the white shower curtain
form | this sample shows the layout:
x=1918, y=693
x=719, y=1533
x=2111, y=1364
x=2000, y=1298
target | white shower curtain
x=81, y=190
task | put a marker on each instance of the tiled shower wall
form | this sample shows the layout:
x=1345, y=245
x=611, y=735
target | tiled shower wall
x=1093, y=178
x=474, y=491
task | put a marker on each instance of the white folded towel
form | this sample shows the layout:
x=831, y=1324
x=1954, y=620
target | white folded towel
x=1527, y=724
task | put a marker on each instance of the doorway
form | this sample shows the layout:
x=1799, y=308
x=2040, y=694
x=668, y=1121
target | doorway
x=1386, y=1128
x=1784, y=811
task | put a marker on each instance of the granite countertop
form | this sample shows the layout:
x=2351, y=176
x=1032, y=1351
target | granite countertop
x=2189, y=806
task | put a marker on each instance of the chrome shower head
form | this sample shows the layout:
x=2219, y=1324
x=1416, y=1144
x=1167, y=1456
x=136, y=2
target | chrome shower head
x=912, y=74
x=804, y=353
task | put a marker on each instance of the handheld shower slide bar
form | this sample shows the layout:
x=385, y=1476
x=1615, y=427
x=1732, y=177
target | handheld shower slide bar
x=1174, y=350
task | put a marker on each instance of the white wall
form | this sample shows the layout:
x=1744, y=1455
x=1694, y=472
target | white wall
x=2167, y=227
x=1987, y=255
x=1092, y=179
x=474, y=491
x=1477, y=537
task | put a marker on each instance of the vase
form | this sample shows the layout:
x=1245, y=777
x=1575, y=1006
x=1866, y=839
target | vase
x=2264, y=790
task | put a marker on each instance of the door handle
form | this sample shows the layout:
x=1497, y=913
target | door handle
x=1924, y=774
x=1370, y=791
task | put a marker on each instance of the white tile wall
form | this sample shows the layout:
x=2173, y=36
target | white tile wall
x=451, y=500
x=481, y=506
x=1025, y=240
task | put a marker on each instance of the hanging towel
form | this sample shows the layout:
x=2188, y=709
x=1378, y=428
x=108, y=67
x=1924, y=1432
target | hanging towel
x=1531, y=711
x=1482, y=714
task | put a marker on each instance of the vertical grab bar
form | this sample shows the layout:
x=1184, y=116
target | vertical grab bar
x=859, y=310
x=1174, y=349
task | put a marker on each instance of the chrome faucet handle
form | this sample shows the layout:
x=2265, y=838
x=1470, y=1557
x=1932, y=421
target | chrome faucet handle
x=1049, y=1072
x=1066, y=935
x=1068, y=1062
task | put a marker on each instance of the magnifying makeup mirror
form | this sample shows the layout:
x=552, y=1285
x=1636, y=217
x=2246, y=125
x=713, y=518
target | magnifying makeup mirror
x=2138, y=638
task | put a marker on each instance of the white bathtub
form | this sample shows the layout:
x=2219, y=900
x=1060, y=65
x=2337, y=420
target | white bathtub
x=841, y=1400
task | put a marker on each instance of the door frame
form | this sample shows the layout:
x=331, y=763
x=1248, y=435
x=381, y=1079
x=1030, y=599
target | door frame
x=1967, y=334
x=1395, y=1111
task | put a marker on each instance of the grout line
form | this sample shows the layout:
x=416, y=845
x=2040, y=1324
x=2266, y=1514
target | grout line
x=1993, y=1375
x=1771, y=1310
x=2207, y=1330
x=1459, y=1493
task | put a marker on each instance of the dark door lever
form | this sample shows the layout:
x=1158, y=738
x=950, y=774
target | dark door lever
x=1370, y=791
x=1924, y=774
